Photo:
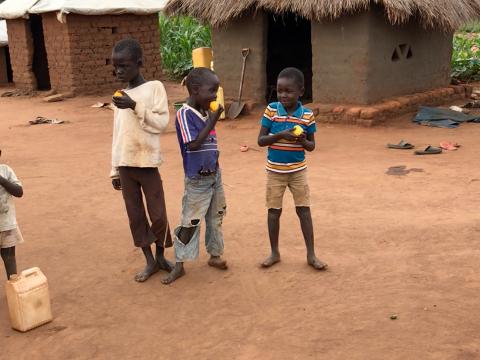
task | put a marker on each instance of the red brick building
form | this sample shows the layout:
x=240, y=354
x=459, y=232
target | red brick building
x=73, y=55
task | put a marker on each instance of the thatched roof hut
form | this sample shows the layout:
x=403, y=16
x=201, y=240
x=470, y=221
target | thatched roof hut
x=446, y=14
x=356, y=51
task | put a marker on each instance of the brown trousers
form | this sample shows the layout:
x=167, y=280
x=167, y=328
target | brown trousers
x=134, y=180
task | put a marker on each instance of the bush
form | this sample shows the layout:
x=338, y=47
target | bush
x=179, y=36
x=465, y=59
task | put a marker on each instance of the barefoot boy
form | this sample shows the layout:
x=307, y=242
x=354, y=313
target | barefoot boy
x=286, y=165
x=141, y=114
x=203, y=196
x=10, y=235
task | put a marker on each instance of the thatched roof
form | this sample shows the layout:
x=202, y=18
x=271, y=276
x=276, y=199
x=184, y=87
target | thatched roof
x=444, y=14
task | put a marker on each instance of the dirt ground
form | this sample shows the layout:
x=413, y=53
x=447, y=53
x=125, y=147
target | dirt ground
x=405, y=245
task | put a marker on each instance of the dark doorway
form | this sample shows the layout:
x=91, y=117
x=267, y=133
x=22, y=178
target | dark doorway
x=289, y=44
x=40, y=61
x=9, y=65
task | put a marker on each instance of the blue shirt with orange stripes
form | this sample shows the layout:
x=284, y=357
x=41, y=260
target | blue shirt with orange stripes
x=287, y=156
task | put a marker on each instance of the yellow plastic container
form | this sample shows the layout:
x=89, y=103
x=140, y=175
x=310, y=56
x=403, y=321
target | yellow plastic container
x=221, y=101
x=28, y=300
x=202, y=57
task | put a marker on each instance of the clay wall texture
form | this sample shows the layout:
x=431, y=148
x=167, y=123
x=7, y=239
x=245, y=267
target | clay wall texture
x=227, y=43
x=79, y=51
x=362, y=59
x=353, y=58
x=21, y=53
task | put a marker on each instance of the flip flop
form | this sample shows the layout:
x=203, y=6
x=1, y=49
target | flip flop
x=429, y=150
x=402, y=145
x=448, y=145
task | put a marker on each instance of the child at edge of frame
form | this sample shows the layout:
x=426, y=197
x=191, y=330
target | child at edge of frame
x=140, y=116
x=204, y=197
x=288, y=129
x=10, y=235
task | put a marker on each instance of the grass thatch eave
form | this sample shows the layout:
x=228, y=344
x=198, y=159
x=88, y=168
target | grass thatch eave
x=446, y=15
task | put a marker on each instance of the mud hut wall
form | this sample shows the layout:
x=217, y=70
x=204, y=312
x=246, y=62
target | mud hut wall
x=405, y=59
x=82, y=63
x=21, y=53
x=58, y=46
x=247, y=32
x=3, y=65
x=340, y=60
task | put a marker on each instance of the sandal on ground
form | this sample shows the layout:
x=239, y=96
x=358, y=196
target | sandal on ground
x=402, y=145
x=429, y=150
x=448, y=145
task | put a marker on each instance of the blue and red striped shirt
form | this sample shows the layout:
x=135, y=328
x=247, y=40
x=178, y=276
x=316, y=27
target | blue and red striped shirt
x=189, y=124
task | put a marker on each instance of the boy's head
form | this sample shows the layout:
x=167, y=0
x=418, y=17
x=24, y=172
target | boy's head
x=202, y=85
x=127, y=59
x=290, y=87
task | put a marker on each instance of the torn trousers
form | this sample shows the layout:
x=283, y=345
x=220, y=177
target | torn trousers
x=203, y=198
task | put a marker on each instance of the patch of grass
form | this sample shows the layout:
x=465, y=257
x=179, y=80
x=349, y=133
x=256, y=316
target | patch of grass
x=466, y=56
x=179, y=36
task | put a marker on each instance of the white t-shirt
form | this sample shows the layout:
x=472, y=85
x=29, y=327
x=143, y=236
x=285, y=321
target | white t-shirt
x=136, y=133
x=8, y=220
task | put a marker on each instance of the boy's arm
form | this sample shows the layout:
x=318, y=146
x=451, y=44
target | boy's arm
x=153, y=120
x=156, y=119
x=11, y=187
x=212, y=120
x=264, y=139
x=308, y=141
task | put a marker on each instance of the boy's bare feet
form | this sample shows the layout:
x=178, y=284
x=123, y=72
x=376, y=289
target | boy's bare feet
x=149, y=270
x=177, y=272
x=271, y=260
x=164, y=264
x=217, y=262
x=316, y=264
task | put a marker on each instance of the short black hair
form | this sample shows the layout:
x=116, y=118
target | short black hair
x=294, y=74
x=198, y=76
x=132, y=46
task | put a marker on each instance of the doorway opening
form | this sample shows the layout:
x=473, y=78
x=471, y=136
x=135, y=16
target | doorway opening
x=289, y=44
x=9, y=65
x=40, y=61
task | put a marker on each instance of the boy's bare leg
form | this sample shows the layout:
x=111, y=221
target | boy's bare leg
x=162, y=262
x=177, y=272
x=151, y=268
x=273, y=233
x=305, y=217
x=8, y=256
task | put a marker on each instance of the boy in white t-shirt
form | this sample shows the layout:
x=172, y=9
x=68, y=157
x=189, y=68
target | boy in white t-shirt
x=140, y=116
x=10, y=235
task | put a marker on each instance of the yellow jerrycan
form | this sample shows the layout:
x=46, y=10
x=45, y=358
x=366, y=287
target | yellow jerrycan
x=28, y=300
x=202, y=57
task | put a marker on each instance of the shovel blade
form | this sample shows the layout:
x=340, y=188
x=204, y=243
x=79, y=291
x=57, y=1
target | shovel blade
x=235, y=109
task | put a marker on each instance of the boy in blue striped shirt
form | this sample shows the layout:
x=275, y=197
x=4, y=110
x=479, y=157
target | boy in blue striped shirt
x=204, y=197
x=286, y=165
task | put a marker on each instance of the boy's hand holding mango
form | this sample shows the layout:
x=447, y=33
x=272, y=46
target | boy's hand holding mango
x=122, y=101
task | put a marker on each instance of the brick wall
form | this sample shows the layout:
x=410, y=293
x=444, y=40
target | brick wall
x=21, y=53
x=79, y=51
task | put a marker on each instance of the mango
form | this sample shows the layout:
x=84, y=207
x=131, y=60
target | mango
x=117, y=94
x=297, y=130
x=214, y=106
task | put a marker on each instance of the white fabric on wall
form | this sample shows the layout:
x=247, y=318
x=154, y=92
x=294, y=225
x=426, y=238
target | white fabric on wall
x=11, y=9
x=3, y=33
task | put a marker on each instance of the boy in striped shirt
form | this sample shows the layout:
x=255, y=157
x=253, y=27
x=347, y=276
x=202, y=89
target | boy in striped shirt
x=286, y=165
x=203, y=197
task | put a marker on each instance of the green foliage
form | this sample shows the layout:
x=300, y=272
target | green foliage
x=466, y=56
x=179, y=36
